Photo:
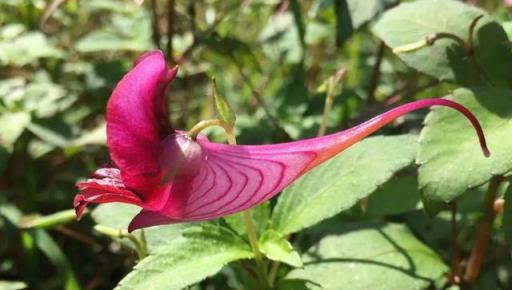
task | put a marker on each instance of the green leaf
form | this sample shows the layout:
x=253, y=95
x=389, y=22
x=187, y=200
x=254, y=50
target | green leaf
x=340, y=182
x=118, y=216
x=201, y=252
x=400, y=194
x=371, y=256
x=12, y=285
x=411, y=22
x=449, y=154
x=11, y=127
x=260, y=215
x=277, y=248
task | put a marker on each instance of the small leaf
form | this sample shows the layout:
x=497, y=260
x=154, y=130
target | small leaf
x=277, y=248
x=371, y=256
x=449, y=155
x=201, y=252
x=222, y=107
x=340, y=182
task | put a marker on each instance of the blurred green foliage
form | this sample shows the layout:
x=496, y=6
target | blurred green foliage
x=60, y=60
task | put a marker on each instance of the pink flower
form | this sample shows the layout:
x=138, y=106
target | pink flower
x=176, y=179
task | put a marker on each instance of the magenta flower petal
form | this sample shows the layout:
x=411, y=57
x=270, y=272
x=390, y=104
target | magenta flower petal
x=104, y=186
x=137, y=121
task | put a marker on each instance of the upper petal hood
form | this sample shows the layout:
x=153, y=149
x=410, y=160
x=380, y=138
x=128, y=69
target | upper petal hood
x=137, y=122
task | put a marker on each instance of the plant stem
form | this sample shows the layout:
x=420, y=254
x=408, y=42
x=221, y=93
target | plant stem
x=253, y=239
x=140, y=247
x=251, y=230
x=192, y=133
x=376, y=73
x=331, y=84
x=470, y=51
x=273, y=273
x=456, y=274
x=483, y=234
x=170, y=30
x=155, y=33
x=258, y=96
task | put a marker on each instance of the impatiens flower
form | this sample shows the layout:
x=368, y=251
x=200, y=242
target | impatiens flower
x=175, y=179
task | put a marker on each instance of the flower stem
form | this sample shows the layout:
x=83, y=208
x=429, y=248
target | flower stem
x=456, y=273
x=140, y=247
x=483, y=234
x=251, y=230
x=253, y=239
x=192, y=133
x=273, y=273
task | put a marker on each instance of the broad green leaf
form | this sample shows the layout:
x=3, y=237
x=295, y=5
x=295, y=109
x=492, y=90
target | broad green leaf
x=340, y=182
x=449, y=154
x=12, y=285
x=411, y=22
x=260, y=216
x=201, y=252
x=400, y=194
x=118, y=216
x=277, y=248
x=371, y=256
x=11, y=127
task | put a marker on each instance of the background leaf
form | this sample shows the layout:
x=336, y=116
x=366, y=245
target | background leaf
x=449, y=155
x=199, y=253
x=371, y=256
x=340, y=182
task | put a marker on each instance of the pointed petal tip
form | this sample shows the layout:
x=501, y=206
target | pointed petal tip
x=79, y=203
x=147, y=218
